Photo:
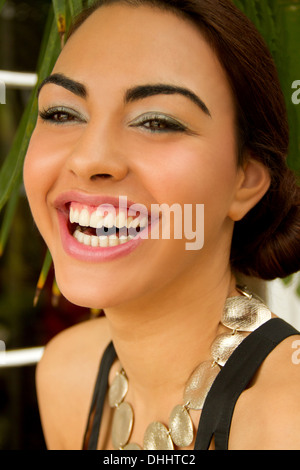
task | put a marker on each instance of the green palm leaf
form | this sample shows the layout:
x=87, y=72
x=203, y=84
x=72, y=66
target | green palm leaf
x=9, y=215
x=1, y=4
x=43, y=276
x=60, y=9
x=75, y=6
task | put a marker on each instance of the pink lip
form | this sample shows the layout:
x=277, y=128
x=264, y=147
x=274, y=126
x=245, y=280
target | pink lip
x=87, y=253
x=93, y=200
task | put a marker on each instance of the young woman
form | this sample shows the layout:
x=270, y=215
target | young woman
x=166, y=104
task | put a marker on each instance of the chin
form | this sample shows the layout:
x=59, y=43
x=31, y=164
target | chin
x=88, y=292
x=78, y=297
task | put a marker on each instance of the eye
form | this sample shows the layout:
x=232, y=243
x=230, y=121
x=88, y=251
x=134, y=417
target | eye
x=60, y=115
x=158, y=123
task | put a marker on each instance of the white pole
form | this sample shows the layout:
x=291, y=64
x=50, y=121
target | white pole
x=20, y=357
x=18, y=79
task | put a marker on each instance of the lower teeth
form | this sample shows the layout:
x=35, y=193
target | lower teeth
x=102, y=241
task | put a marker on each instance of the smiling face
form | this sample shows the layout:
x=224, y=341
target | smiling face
x=138, y=106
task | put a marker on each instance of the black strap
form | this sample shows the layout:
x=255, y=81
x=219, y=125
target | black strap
x=233, y=378
x=219, y=405
x=98, y=399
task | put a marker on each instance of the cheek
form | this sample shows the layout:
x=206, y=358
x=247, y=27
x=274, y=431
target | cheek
x=194, y=173
x=39, y=173
x=197, y=173
x=34, y=172
x=45, y=158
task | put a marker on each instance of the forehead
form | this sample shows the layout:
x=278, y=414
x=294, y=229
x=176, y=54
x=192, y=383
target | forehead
x=120, y=45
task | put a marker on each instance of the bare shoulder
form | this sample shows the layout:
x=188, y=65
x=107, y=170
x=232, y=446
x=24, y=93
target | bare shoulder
x=267, y=415
x=65, y=380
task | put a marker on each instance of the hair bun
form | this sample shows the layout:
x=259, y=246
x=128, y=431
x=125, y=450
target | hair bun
x=280, y=256
x=272, y=244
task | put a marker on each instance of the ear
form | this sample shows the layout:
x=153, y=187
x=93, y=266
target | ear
x=252, y=184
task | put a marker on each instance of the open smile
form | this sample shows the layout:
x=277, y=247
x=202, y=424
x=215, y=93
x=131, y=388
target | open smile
x=103, y=226
x=99, y=230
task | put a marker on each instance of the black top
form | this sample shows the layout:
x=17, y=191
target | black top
x=218, y=408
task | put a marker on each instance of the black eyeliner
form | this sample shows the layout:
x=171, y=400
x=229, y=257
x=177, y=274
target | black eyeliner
x=48, y=114
x=172, y=125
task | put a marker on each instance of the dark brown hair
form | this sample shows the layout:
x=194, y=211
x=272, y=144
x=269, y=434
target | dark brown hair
x=266, y=242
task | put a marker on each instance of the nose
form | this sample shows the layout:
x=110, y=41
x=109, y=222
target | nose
x=97, y=154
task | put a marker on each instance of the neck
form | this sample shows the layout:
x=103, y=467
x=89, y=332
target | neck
x=160, y=341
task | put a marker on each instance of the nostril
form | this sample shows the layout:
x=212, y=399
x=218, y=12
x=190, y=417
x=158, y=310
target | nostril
x=101, y=175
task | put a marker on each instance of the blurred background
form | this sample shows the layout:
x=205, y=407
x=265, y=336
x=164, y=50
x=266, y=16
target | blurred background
x=22, y=325
x=22, y=25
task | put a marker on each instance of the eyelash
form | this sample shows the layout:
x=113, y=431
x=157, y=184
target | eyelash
x=169, y=124
x=49, y=115
x=161, y=123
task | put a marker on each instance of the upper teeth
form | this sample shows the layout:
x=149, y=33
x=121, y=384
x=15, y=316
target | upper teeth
x=96, y=219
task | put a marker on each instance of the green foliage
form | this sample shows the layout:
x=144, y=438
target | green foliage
x=59, y=18
x=279, y=23
x=43, y=276
x=75, y=6
x=9, y=215
x=2, y=3
x=11, y=171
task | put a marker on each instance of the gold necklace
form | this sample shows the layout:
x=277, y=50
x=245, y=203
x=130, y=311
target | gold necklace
x=242, y=315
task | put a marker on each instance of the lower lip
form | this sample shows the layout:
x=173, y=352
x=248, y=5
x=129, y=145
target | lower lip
x=93, y=254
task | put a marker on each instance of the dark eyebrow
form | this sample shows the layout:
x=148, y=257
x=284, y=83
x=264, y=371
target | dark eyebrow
x=133, y=94
x=71, y=85
x=144, y=91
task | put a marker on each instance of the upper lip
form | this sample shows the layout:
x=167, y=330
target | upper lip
x=93, y=200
